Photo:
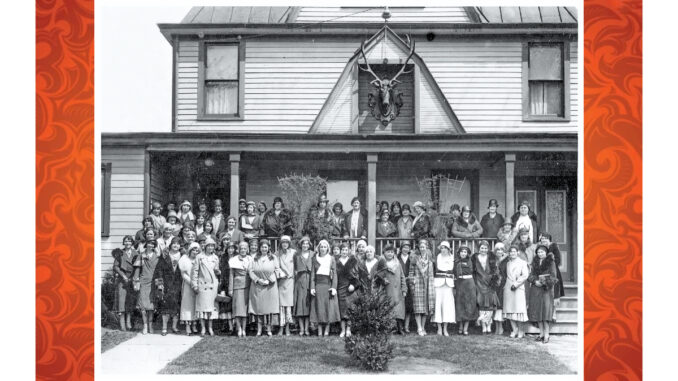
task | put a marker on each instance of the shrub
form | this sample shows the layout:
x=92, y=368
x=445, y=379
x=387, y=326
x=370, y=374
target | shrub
x=108, y=317
x=371, y=322
x=300, y=193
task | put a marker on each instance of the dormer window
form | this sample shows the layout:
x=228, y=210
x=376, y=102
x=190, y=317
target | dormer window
x=221, y=79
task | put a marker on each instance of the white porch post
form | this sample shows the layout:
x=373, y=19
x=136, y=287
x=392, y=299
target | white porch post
x=371, y=198
x=235, y=183
x=510, y=161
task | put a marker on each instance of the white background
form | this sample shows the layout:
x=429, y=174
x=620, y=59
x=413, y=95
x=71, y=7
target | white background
x=17, y=104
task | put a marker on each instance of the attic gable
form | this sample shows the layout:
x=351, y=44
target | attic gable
x=339, y=114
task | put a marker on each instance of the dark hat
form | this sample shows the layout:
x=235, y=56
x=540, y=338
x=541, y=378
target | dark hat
x=455, y=207
x=242, y=201
x=507, y=222
x=493, y=202
x=152, y=242
x=466, y=208
x=468, y=251
x=406, y=243
x=337, y=204
x=483, y=243
x=526, y=203
x=546, y=249
x=277, y=199
x=406, y=206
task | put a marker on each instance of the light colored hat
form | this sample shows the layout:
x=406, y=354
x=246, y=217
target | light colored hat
x=251, y=203
x=172, y=214
x=362, y=241
x=285, y=238
x=210, y=241
x=419, y=204
x=167, y=226
x=445, y=244
x=194, y=245
x=186, y=202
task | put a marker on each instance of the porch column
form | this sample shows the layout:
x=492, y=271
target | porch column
x=371, y=198
x=235, y=183
x=510, y=161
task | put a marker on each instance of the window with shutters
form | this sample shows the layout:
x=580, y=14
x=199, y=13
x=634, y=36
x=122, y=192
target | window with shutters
x=221, y=80
x=546, y=81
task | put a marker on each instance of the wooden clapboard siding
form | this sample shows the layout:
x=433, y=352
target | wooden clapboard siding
x=398, y=14
x=287, y=81
x=482, y=81
x=127, y=197
x=159, y=190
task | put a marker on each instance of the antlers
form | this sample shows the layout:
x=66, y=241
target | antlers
x=402, y=69
x=369, y=69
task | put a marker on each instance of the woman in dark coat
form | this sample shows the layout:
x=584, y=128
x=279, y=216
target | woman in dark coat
x=277, y=221
x=466, y=225
x=421, y=226
x=492, y=222
x=396, y=212
x=559, y=289
x=337, y=220
x=348, y=285
x=542, y=277
x=486, y=275
x=501, y=258
x=303, y=265
x=324, y=301
x=405, y=262
x=168, y=283
x=466, y=304
x=125, y=295
x=228, y=251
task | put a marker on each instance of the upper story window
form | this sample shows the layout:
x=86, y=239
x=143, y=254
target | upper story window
x=221, y=80
x=546, y=82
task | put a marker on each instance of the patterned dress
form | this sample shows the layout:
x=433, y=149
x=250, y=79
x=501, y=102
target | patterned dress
x=421, y=273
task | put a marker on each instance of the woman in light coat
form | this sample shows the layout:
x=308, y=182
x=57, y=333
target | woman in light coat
x=239, y=284
x=264, y=298
x=285, y=283
x=515, y=303
x=187, y=309
x=205, y=282
x=444, y=288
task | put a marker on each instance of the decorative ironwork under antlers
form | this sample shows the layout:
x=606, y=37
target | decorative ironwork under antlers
x=387, y=98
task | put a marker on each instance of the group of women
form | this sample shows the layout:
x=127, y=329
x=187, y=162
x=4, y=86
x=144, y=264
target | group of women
x=213, y=267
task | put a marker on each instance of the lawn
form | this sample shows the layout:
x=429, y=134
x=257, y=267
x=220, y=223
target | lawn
x=111, y=338
x=416, y=355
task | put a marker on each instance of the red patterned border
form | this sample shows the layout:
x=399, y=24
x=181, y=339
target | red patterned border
x=612, y=190
x=64, y=189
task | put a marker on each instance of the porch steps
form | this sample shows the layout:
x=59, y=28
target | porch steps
x=566, y=313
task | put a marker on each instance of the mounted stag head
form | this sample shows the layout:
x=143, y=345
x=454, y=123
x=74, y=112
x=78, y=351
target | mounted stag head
x=387, y=98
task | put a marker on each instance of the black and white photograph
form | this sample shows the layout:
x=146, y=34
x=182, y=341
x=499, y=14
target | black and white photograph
x=329, y=189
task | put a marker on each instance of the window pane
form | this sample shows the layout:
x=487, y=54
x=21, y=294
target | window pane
x=546, y=98
x=221, y=98
x=553, y=97
x=546, y=62
x=222, y=62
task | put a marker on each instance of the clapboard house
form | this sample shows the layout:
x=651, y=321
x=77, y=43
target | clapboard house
x=484, y=97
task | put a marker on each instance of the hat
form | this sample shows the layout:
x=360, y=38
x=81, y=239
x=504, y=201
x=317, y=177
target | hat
x=464, y=248
x=498, y=246
x=193, y=245
x=251, y=203
x=285, y=238
x=444, y=244
x=540, y=246
x=455, y=207
x=386, y=212
x=216, y=202
x=210, y=241
x=172, y=214
x=406, y=206
x=507, y=222
x=406, y=243
x=466, y=208
x=152, y=241
x=526, y=203
x=418, y=204
x=493, y=202
x=389, y=247
x=277, y=199
x=338, y=204
x=363, y=242
x=305, y=238
x=186, y=202
x=242, y=200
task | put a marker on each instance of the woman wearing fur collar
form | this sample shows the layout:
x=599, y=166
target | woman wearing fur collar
x=466, y=225
x=540, y=302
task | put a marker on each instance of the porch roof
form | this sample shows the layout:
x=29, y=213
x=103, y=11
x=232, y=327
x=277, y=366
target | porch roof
x=343, y=143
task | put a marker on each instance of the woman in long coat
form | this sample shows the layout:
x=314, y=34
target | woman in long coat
x=187, y=308
x=148, y=261
x=395, y=287
x=466, y=307
x=404, y=223
x=125, y=295
x=515, y=304
x=285, y=257
x=546, y=240
x=205, y=282
x=405, y=260
x=422, y=273
x=501, y=258
x=540, y=304
x=168, y=281
x=421, y=225
x=486, y=275
x=348, y=285
x=228, y=251
x=239, y=284
x=324, y=301
x=277, y=221
x=264, y=299
x=466, y=225
x=303, y=264
x=444, y=288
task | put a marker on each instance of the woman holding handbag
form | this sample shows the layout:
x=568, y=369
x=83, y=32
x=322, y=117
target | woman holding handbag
x=205, y=282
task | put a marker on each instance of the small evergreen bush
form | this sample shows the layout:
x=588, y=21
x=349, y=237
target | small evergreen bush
x=108, y=317
x=371, y=323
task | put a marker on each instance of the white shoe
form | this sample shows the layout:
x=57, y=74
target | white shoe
x=342, y=334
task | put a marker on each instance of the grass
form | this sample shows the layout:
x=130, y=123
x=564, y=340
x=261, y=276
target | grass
x=417, y=355
x=111, y=338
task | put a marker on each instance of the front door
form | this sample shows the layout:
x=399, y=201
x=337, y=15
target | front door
x=554, y=201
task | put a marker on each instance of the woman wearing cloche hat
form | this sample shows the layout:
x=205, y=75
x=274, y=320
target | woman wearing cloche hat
x=466, y=225
x=421, y=225
x=204, y=281
x=492, y=221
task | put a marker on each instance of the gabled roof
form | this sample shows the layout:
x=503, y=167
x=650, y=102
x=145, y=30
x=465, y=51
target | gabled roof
x=450, y=118
x=240, y=15
x=527, y=15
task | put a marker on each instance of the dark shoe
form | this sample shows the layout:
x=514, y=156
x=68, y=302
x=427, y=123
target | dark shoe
x=539, y=338
x=546, y=340
x=163, y=333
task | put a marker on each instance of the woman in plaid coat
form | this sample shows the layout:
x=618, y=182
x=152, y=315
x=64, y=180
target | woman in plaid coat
x=421, y=273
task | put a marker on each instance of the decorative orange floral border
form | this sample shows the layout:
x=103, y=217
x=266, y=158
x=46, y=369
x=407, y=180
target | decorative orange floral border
x=65, y=189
